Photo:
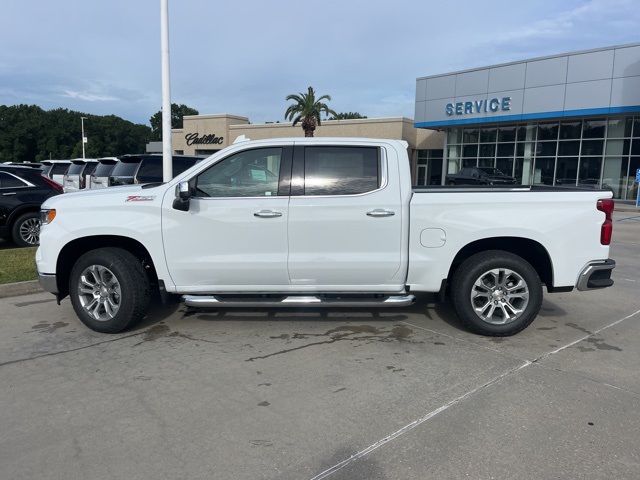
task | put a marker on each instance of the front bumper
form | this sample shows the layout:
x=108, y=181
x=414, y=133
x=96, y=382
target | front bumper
x=48, y=282
x=596, y=275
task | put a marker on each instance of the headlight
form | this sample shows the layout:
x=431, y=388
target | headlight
x=47, y=215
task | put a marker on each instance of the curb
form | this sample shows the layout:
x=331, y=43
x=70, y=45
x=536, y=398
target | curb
x=19, y=288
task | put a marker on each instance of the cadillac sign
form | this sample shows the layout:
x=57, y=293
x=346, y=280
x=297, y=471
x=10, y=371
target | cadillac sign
x=478, y=106
x=195, y=139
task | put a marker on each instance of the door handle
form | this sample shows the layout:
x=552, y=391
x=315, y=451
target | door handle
x=380, y=212
x=267, y=214
x=7, y=194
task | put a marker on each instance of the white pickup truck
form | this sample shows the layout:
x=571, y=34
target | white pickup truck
x=321, y=222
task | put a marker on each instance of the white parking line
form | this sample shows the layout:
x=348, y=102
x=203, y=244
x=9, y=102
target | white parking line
x=455, y=401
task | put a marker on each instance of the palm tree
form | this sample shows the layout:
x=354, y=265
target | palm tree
x=307, y=109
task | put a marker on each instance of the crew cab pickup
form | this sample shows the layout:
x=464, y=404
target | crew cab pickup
x=321, y=222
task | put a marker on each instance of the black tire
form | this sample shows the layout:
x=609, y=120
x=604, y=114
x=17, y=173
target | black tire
x=135, y=290
x=472, y=269
x=18, y=234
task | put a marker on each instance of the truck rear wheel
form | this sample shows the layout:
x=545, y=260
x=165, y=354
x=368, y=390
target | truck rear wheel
x=109, y=290
x=496, y=293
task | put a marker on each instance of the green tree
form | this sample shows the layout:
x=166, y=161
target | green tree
x=307, y=108
x=347, y=116
x=28, y=133
x=177, y=112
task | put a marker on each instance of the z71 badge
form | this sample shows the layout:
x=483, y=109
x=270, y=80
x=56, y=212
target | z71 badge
x=140, y=198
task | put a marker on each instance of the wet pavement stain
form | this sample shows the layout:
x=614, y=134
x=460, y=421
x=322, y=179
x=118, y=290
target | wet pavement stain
x=340, y=390
x=284, y=336
x=49, y=327
x=600, y=344
x=586, y=349
x=363, y=333
x=264, y=384
x=35, y=302
x=578, y=327
x=545, y=328
x=439, y=343
x=264, y=404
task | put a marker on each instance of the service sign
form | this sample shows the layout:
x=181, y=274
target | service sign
x=485, y=105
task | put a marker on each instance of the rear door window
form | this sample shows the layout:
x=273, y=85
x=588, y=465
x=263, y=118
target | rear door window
x=341, y=170
x=9, y=181
x=90, y=167
x=150, y=170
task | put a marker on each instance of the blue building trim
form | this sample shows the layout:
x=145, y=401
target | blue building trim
x=530, y=116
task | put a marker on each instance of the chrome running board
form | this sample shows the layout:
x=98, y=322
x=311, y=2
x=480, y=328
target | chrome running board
x=219, y=301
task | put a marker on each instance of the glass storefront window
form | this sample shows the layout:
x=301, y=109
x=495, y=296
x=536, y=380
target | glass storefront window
x=569, y=148
x=618, y=147
x=546, y=149
x=488, y=150
x=568, y=152
x=527, y=133
x=506, y=149
x=548, y=131
x=488, y=135
x=470, y=150
x=470, y=135
x=619, y=127
x=570, y=130
x=567, y=171
x=614, y=175
x=592, y=147
x=589, y=172
x=505, y=165
x=507, y=134
x=543, y=171
x=594, y=128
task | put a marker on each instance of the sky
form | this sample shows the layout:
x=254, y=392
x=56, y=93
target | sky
x=244, y=57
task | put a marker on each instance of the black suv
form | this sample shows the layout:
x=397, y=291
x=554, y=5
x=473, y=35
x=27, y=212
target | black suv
x=147, y=168
x=22, y=191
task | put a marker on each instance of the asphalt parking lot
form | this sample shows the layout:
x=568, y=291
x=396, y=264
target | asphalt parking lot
x=339, y=394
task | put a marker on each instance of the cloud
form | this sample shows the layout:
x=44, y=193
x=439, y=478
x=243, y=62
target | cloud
x=89, y=97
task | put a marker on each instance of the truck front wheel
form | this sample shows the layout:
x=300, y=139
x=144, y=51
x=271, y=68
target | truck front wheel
x=496, y=293
x=109, y=289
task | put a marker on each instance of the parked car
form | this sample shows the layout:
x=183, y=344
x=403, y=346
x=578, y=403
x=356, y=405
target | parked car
x=100, y=176
x=56, y=169
x=22, y=191
x=132, y=169
x=78, y=174
x=480, y=176
x=25, y=164
x=321, y=222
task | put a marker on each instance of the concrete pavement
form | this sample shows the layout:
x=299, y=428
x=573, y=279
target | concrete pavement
x=364, y=394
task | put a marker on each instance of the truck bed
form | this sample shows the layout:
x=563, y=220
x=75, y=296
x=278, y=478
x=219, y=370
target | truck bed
x=491, y=188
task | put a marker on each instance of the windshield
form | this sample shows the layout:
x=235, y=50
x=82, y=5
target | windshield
x=125, y=169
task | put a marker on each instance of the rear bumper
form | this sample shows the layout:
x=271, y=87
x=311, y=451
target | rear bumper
x=596, y=275
x=48, y=282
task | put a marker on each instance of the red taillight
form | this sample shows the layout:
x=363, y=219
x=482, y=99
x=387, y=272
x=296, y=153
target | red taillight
x=55, y=185
x=606, y=205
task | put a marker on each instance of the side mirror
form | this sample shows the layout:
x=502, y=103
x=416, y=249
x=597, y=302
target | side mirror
x=183, y=195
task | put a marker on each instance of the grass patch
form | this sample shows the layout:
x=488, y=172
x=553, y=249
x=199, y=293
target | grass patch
x=17, y=265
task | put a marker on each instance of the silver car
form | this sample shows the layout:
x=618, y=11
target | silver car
x=56, y=169
x=100, y=176
x=78, y=174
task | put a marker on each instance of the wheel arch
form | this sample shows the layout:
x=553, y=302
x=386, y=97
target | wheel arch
x=21, y=210
x=73, y=250
x=530, y=250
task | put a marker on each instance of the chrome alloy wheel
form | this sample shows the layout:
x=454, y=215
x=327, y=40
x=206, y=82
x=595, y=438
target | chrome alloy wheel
x=99, y=292
x=499, y=296
x=30, y=231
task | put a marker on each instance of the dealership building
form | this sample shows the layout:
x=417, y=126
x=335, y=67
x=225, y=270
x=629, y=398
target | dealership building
x=206, y=134
x=570, y=119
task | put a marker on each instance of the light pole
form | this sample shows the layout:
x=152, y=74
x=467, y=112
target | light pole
x=84, y=139
x=167, y=167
